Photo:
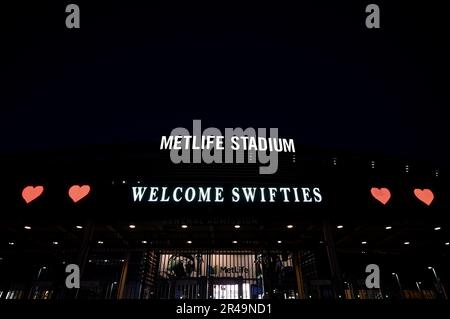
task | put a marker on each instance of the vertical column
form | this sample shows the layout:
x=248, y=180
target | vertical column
x=209, y=286
x=123, y=278
x=267, y=274
x=85, y=246
x=336, y=278
x=84, y=249
x=298, y=275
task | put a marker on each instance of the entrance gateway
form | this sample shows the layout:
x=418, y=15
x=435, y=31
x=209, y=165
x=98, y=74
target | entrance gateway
x=223, y=274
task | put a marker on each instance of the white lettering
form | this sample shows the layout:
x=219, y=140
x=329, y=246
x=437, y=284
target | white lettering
x=175, y=198
x=164, y=197
x=272, y=193
x=235, y=194
x=152, y=197
x=219, y=197
x=189, y=195
x=204, y=195
x=317, y=195
x=138, y=193
x=166, y=143
x=306, y=197
x=249, y=193
x=177, y=142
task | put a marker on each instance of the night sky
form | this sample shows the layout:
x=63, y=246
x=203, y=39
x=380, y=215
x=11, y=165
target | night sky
x=137, y=69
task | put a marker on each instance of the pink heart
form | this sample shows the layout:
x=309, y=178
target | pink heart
x=381, y=194
x=30, y=193
x=425, y=195
x=76, y=192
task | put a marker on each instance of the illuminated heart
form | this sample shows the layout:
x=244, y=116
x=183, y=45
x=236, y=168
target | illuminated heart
x=424, y=195
x=76, y=192
x=30, y=193
x=381, y=194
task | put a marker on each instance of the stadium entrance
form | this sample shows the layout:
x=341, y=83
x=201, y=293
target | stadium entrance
x=223, y=274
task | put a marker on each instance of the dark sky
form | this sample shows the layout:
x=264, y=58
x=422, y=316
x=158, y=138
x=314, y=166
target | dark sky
x=137, y=69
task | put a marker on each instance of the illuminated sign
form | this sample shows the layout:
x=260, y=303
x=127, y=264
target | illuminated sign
x=223, y=265
x=383, y=195
x=218, y=194
x=424, y=195
x=233, y=269
x=77, y=192
x=30, y=193
x=210, y=146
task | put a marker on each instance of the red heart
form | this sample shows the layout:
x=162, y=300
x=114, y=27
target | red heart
x=424, y=195
x=77, y=192
x=381, y=194
x=30, y=193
